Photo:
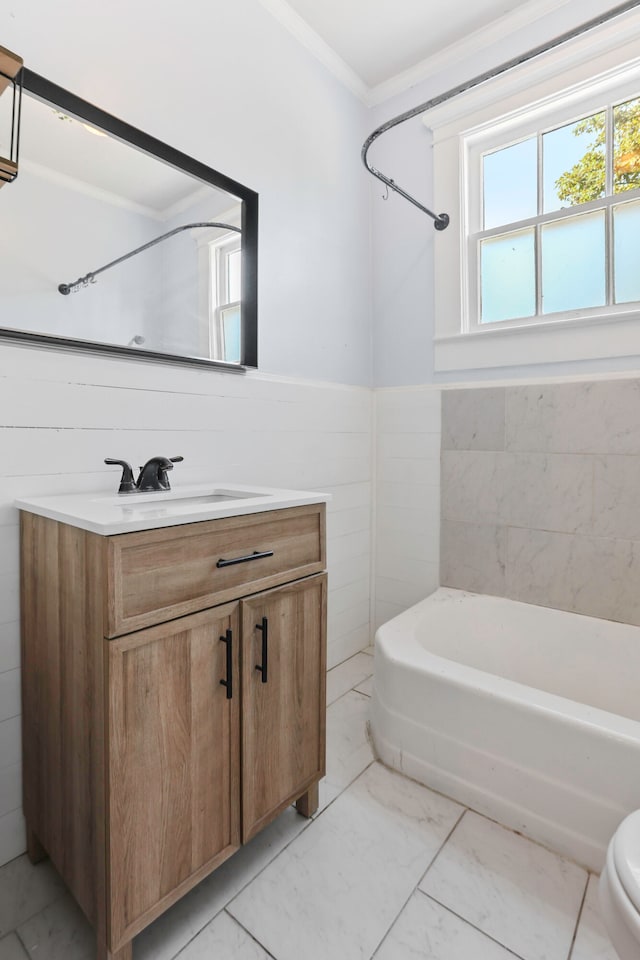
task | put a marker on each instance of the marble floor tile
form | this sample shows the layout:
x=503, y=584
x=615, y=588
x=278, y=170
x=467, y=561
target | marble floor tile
x=347, y=675
x=223, y=939
x=336, y=890
x=59, y=932
x=366, y=687
x=348, y=747
x=12, y=949
x=328, y=794
x=592, y=942
x=522, y=895
x=25, y=890
x=174, y=929
x=426, y=931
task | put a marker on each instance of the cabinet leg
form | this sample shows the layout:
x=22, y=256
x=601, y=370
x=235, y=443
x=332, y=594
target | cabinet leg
x=124, y=953
x=308, y=803
x=35, y=851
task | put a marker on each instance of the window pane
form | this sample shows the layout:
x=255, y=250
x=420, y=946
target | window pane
x=573, y=263
x=626, y=230
x=508, y=285
x=231, y=334
x=626, y=139
x=510, y=182
x=573, y=159
x=233, y=275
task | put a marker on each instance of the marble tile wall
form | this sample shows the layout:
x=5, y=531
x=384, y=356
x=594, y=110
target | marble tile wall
x=540, y=494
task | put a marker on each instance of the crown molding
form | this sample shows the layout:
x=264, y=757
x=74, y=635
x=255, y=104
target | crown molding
x=464, y=49
x=449, y=56
x=88, y=189
x=313, y=42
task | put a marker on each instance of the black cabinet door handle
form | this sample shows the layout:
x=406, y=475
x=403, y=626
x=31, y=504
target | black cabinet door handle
x=256, y=555
x=263, y=667
x=228, y=683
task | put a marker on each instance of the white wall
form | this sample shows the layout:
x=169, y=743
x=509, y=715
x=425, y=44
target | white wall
x=403, y=237
x=407, y=502
x=33, y=261
x=225, y=83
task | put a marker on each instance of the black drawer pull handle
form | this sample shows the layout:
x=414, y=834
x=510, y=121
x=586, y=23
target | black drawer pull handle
x=256, y=555
x=228, y=683
x=262, y=667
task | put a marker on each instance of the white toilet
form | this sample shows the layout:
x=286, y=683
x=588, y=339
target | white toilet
x=619, y=889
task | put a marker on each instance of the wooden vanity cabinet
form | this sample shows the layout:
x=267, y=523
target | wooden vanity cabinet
x=283, y=711
x=150, y=755
x=172, y=762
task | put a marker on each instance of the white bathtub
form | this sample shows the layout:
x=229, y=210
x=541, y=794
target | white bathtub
x=528, y=715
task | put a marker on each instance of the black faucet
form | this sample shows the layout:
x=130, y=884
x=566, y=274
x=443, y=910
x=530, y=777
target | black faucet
x=153, y=476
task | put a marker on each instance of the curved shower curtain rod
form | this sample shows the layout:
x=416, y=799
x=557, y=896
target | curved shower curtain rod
x=441, y=220
x=67, y=288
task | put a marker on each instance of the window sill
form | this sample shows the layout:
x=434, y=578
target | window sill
x=558, y=341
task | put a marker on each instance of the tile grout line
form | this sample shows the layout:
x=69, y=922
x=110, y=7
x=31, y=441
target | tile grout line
x=430, y=896
x=249, y=934
x=430, y=864
x=465, y=810
x=21, y=941
x=223, y=908
x=579, y=917
x=63, y=894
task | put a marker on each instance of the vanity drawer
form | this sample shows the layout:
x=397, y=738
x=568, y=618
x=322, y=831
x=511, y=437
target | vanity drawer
x=158, y=575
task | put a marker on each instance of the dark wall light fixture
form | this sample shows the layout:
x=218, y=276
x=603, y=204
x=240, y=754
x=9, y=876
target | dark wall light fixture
x=11, y=75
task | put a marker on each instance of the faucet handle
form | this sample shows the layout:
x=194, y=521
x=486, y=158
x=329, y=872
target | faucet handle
x=163, y=479
x=127, y=483
x=154, y=474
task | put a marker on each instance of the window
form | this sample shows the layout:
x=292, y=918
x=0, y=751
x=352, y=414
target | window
x=539, y=171
x=220, y=290
x=224, y=271
x=558, y=213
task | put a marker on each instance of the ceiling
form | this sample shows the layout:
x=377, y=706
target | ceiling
x=378, y=47
x=379, y=39
x=56, y=145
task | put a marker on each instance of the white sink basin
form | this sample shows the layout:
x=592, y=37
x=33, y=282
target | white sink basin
x=177, y=498
x=110, y=513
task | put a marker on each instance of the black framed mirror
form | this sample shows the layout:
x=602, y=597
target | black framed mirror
x=115, y=242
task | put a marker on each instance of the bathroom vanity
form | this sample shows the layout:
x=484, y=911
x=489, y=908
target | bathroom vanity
x=174, y=656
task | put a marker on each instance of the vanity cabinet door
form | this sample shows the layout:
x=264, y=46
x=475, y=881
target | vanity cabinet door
x=172, y=764
x=283, y=698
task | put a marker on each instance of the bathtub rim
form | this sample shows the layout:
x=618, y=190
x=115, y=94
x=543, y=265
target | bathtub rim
x=396, y=641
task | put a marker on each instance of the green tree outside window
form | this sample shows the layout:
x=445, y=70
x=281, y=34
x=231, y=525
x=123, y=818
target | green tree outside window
x=586, y=180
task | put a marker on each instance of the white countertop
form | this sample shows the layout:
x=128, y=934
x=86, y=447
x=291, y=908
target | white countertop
x=108, y=513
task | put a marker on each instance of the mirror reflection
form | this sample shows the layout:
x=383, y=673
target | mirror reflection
x=102, y=243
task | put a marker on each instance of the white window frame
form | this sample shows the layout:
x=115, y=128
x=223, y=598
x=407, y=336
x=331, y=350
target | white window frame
x=219, y=251
x=494, y=136
x=208, y=242
x=564, y=85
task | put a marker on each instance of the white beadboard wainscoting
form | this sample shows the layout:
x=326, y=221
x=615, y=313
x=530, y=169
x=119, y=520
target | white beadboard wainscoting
x=63, y=413
x=407, y=499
